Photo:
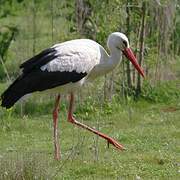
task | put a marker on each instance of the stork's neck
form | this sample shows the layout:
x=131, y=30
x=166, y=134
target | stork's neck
x=114, y=58
x=107, y=64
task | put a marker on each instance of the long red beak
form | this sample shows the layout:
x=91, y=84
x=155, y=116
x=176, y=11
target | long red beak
x=129, y=54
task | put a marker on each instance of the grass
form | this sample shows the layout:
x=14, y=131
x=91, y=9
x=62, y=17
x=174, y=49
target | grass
x=148, y=131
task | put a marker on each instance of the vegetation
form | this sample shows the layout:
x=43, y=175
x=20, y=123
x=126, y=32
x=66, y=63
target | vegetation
x=148, y=131
x=141, y=114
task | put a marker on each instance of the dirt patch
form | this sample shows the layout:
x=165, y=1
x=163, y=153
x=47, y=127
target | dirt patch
x=170, y=109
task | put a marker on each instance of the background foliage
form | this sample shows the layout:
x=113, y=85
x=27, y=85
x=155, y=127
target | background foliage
x=27, y=27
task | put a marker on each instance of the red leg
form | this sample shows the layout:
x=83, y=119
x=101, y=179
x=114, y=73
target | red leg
x=74, y=121
x=55, y=124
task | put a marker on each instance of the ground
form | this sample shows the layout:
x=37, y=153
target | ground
x=148, y=131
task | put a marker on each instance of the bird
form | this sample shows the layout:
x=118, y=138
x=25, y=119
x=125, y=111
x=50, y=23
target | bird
x=65, y=68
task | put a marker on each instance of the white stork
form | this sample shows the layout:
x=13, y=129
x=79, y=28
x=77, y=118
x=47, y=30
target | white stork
x=65, y=67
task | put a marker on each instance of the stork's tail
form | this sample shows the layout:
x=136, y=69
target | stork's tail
x=13, y=93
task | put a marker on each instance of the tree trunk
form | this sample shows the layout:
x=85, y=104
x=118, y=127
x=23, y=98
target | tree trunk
x=79, y=15
x=5, y=69
x=34, y=27
x=136, y=54
x=141, y=48
x=52, y=20
x=110, y=86
x=83, y=13
x=105, y=87
x=128, y=72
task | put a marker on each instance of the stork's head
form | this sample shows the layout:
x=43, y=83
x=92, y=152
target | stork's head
x=119, y=41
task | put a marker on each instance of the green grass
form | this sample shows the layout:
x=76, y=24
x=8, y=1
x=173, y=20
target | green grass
x=150, y=132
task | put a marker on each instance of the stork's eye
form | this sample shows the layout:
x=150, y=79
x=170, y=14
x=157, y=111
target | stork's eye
x=125, y=43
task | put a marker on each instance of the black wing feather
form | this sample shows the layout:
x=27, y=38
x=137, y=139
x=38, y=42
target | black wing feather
x=43, y=80
x=37, y=81
x=39, y=60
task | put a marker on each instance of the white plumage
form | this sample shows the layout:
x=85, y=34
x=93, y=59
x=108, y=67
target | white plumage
x=76, y=55
x=81, y=55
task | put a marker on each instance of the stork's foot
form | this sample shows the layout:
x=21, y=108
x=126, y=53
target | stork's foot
x=114, y=143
